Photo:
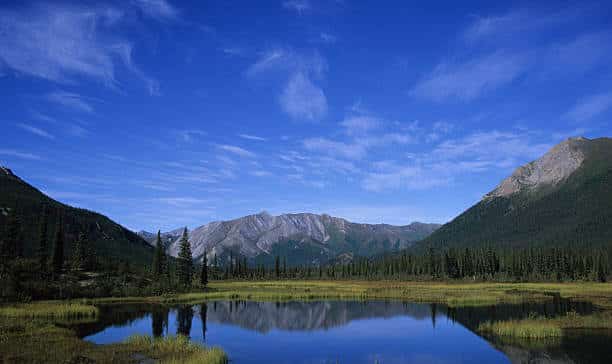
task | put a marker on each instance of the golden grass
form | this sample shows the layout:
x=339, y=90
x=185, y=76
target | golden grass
x=40, y=341
x=453, y=294
x=527, y=329
x=176, y=349
x=541, y=327
x=50, y=310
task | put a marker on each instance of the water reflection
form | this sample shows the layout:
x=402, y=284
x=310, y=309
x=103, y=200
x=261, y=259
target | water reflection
x=351, y=331
x=184, y=318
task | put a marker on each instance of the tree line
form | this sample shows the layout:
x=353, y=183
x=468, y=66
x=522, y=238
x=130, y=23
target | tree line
x=485, y=264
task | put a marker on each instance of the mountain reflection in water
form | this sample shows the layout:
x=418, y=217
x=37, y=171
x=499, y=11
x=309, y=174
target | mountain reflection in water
x=351, y=331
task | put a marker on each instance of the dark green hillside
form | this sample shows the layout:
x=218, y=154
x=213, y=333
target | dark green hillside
x=576, y=212
x=113, y=243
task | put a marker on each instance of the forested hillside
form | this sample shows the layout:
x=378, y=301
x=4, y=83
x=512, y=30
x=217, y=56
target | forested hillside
x=573, y=212
x=24, y=209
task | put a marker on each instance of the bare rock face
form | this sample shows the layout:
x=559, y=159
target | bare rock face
x=253, y=235
x=554, y=167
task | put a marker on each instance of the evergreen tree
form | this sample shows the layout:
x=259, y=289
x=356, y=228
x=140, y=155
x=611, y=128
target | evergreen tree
x=185, y=260
x=78, y=253
x=277, y=267
x=204, y=272
x=9, y=247
x=42, y=251
x=158, y=257
x=57, y=261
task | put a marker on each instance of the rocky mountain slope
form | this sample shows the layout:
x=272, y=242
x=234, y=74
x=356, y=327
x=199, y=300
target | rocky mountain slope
x=563, y=198
x=301, y=238
x=112, y=241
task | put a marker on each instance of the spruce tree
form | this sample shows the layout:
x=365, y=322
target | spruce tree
x=9, y=248
x=78, y=253
x=57, y=261
x=185, y=261
x=158, y=257
x=204, y=272
x=277, y=266
x=42, y=253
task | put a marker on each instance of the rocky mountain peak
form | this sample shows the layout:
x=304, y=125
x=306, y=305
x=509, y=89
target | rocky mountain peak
x=552, y=168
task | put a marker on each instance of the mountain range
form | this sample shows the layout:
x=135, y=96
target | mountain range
x=563, y=198
x=300, y=238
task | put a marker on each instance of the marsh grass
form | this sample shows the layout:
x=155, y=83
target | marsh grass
x=49, y=310
x=453, y=294
x=542, y=327
x=539, y=328
x=176, y=349
x=40, y=341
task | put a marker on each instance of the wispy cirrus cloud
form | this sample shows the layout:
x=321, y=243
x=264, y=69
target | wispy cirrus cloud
x=36, y=131
x=71, y=100
x=157, y=9
x=468, y=80
x=440, y=166
x=241, y=152
x=189, y=135
x=331, y=147
x=299, y=6
x=590, y=107
x=65, y=42
x=360, y=124
x=517, y=24
x=252, y=137
x=19, y=154
x=504, y=47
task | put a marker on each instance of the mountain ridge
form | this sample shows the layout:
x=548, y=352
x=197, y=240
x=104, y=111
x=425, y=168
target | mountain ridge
x=259, y=235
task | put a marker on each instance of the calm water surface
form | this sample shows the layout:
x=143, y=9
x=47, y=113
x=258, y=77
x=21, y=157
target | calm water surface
x=350, y=332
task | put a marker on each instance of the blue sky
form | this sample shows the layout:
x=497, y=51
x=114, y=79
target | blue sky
x=161, y=113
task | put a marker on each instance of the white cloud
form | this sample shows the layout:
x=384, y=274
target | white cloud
x=157, y=9
x=579, y=55
x=476, y=152
x=328, y=38
x=467, y=81
x=300, y=98
x=358, y=125
x=409, y=177
x=303, y=100
x=492, y=147
x=252, y=137
x=590, y=107
x=260, y=173
x=330, y=147
x=71, y=100
x=299, y=6
x=241, y=152
x=19, y=154
x=36, y=131
x=181, y=201
x=61, y=42
x=190, y=135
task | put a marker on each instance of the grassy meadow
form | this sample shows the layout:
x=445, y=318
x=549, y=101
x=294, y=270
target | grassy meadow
x=28, y=330
x=452, y=294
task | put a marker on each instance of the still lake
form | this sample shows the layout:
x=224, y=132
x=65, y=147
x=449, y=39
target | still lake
x=351, y=331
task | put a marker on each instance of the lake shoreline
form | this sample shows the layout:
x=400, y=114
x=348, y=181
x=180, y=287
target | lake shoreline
x=40, y=322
